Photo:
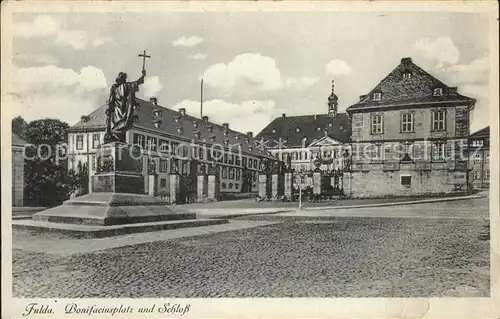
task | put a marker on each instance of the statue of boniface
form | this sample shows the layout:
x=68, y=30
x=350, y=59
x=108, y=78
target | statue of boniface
x=121, y=106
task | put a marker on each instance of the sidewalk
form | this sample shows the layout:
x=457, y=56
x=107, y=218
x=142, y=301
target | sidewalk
x=248, y=208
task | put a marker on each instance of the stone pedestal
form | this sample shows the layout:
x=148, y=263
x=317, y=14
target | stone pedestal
x=118, y=196
x=119, y=169
x=201, y=187
x=213, y=191
x=175, y=182
x=288, y=185
x=263, y=186
x=316, y=183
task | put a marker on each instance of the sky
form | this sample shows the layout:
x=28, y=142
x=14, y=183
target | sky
x=255, y=65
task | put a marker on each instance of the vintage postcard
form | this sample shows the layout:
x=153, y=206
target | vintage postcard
x=250, y=159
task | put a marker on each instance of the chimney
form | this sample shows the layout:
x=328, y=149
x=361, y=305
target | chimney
x=205, y=119
x=153, y=100
x=283, y=115
x=250, y=134
x=182, y=110
x=405, y=60
x=361, y=97
x=226, y=125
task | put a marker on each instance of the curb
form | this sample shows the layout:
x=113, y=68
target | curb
x=436, y=200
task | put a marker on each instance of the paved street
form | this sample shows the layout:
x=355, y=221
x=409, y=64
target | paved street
x=274, y=256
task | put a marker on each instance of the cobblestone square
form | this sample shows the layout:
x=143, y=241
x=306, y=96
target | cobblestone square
x=279, y=256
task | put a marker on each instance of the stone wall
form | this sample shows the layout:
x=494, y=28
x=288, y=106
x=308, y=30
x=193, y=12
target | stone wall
x=17, y=176
x=377, y=183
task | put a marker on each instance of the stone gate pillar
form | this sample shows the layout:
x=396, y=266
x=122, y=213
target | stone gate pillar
x=174, y=187
x=316, y=183
x=288, y=185
x=263, y=186
x=202, y=187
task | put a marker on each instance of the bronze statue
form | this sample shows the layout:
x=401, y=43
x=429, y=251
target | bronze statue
x=121, y=105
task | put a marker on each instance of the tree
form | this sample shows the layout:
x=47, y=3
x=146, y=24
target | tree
x=46, y=180
x=19, y=126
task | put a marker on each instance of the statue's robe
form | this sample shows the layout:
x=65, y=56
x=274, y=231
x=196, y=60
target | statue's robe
x=120, y=111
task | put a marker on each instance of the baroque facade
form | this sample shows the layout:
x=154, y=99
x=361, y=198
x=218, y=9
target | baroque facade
x=305, y=141
x=175, y=143
x=479, y=156
x=409, y=136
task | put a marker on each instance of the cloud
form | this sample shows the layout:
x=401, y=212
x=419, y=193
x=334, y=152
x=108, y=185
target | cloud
x=34, y=58
x=50, y=91
x=152, y=86
x=74, y=38
x=250, y=115
x=475, y=72
x=44, y=26
x=50, y=77
x=187, y=42
x=253, y=69
x=41, y=26
x=337, y=67
x=198, y=56
x=301, y=83
x=440, y=50
x=100, y=41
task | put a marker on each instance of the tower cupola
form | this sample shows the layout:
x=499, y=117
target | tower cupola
x=333, y=102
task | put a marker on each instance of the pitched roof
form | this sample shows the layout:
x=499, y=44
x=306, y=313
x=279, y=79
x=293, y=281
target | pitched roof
x=146, y=119
x=484, y=132
x=419, y=88
x=285, y=127
x=17, y=141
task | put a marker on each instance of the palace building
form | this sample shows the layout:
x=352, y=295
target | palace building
x=409, y=136
x=302, y=140
x=479, y=146
x=175, y=142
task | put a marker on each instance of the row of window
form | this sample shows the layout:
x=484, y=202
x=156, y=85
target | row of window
x=478, y=157
x=486, y=175
x=194, y=151
x=96, y=141
x=377, y=96
x=306, y=155
x=376, y=151
x=407, y=124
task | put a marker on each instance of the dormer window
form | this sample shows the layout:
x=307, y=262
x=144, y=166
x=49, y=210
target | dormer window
x=157, y=113
x=407, y=75
x=297, y=129
x=180, y=130
x=377, y=96
x=330, y=124
x=438, y=92
x=195, y=124
x=274, y=131
x=157, y=124
x=318, y=129
x=210, y=128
